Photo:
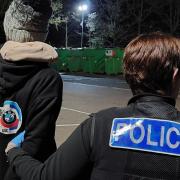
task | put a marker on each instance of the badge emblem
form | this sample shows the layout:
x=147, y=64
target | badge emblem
x=10, y=118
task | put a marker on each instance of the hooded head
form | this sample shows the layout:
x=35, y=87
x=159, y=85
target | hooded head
x=27, y=20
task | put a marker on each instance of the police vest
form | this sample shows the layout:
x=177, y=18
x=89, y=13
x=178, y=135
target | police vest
x=137, y=147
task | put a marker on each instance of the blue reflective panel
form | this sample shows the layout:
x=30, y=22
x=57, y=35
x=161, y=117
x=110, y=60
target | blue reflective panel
x=145, y=134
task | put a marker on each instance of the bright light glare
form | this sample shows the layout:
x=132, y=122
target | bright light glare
x=83, y=7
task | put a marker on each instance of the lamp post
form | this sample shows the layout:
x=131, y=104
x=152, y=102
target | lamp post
x=82, y=8
x=66, y=43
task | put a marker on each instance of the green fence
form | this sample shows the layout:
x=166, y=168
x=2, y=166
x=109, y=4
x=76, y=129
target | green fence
x=100, y=60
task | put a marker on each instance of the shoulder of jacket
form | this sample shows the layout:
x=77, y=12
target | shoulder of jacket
x=48, y=71
x=105, y=117
x=47, y=75
x=113, y=111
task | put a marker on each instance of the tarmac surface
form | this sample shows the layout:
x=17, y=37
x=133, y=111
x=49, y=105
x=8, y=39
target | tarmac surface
x=83, y=95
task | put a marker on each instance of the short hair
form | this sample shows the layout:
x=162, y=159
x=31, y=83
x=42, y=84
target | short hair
x=149, y=60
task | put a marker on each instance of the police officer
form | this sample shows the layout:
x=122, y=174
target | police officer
x=140, y=141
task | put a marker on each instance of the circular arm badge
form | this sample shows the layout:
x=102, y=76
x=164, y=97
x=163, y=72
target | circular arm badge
x=10, y=118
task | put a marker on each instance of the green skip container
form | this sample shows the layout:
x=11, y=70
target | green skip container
x=113, y=61
x=75, y=60
x=93, y=61
x=62, y=62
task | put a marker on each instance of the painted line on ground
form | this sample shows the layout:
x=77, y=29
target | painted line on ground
x=120, y=88
x=75, y=110
x=66, y=125
x=116, y=88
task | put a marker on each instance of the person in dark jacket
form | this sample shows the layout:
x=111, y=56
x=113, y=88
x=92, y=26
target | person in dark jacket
x=140, y=141
x=30, y=91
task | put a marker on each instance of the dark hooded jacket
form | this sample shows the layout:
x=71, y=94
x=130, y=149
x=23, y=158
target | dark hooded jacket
x=37, y=90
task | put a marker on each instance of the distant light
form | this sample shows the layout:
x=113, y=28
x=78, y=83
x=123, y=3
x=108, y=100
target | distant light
x=83, y=7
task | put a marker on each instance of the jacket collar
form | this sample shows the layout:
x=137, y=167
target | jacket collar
x=152, y=98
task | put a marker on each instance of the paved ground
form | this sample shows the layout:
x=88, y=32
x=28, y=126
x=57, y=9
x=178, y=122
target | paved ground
x=84, y=95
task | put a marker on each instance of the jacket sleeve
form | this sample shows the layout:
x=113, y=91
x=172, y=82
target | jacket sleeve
x=42, y=114
x=70, y=161
x=41, y=123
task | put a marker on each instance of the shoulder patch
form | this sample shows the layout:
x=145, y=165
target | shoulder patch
x=145, y=134
x=10, y=117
